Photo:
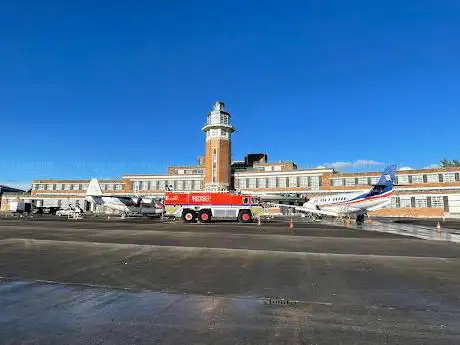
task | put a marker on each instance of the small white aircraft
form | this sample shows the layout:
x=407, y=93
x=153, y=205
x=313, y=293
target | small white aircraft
x=125, y=204
x=351, y=204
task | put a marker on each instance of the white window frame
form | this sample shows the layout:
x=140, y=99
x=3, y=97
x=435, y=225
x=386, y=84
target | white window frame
x=314, y=182
x=405, y=202
x=421, y=202
x=432, y=178
x=393, y=202
x=303, y=181
x=437, y=201
x=350, y=182
x=271, y=183
x=375, y=179
x=179, y=184
x=403, y=179
x=417, y=179
x=282, y=182
x=448, y=177
x=337, y=182
x=363, y=181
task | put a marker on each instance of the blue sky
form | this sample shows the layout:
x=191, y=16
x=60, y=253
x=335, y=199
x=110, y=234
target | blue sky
x=104, y=88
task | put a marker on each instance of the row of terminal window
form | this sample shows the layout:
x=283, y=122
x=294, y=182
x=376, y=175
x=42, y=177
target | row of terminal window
x=74, y=186
x=419, y=201
x=401, y=179
x=165, y=184
x=189, y=171
x=312, y=182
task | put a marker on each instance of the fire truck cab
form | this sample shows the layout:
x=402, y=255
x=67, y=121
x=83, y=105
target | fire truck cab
x=207, y=206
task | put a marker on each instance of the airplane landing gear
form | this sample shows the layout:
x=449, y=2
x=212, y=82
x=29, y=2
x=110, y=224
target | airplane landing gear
x=360, y=219
x=314, y=217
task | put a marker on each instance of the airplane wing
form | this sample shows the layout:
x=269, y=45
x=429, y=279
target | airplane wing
x=308, y=210
x=94, y=189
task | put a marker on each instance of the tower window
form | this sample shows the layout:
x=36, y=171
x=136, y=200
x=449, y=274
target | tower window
x=214, y=165
x=224, y=119
x=215, y=118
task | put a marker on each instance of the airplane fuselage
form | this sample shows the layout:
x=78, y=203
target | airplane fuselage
x=124, y=204
x=357, y=203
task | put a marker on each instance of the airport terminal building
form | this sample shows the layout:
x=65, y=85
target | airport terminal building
x=422, y=192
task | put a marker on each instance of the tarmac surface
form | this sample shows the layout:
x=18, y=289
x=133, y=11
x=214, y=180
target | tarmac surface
x=453, y=224
x=97, y=281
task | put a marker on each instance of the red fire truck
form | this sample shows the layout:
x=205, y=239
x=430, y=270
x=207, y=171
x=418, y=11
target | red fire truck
x=206, y=206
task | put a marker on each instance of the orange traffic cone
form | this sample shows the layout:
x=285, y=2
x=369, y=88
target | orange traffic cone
x=438, y=227
x=291, y=224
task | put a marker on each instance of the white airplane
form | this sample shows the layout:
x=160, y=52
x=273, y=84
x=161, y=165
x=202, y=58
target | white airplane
x=125, y=204
x=349, y=204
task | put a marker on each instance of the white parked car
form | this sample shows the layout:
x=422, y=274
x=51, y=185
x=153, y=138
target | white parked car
x=69, y=212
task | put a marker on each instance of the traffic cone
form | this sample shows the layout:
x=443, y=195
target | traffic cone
x=438, y=227
x=259, y=222
x=291, y=224
x=369, y=220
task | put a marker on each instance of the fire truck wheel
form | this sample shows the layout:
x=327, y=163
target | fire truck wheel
x=245, y=217
x=204, y=216
x=188, y=216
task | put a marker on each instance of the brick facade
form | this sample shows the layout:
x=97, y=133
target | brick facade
x=222, y=173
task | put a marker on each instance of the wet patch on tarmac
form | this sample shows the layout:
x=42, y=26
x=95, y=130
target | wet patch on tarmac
x=38, y=313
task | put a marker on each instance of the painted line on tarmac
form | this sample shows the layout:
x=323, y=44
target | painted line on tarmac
x=29, y=242
x=109, y=232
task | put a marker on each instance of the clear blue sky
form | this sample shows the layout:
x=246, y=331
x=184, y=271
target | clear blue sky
x=103, y=88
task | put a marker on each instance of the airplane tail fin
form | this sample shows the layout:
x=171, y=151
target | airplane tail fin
x=94, y=189
x=388, y=176
x=386, y=181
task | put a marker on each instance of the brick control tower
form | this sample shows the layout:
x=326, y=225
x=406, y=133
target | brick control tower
x=218, y=131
